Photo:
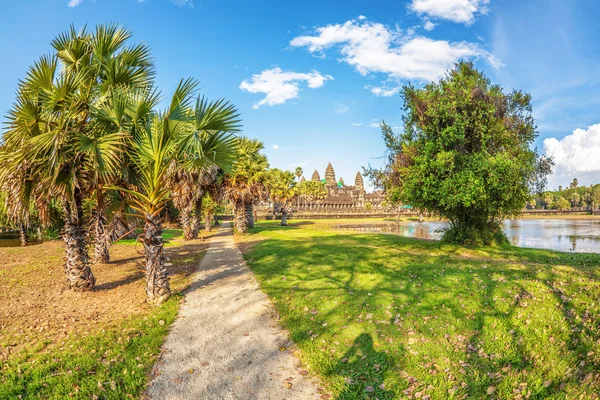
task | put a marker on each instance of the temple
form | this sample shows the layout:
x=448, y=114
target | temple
x=341, y=197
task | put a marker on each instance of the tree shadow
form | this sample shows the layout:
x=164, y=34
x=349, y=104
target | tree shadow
x=364, y=370
x=442, y=302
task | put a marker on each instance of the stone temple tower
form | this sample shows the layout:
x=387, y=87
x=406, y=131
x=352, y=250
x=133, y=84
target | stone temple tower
x=358, y=181
x=315, y=176
x=330, y=175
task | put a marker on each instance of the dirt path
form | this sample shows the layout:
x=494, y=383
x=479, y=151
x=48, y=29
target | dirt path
x=225, y=343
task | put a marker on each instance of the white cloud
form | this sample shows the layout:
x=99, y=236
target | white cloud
x=461, y=11
x=302, y=164
x=276, y=147
x=74, y=3
x=575, y=155
x=428, y=25
x=374, y=48
x=384, y=91
x=341, y=108
x=356, y=124
x=374, y=123
x=280, y=86
x=182, y=3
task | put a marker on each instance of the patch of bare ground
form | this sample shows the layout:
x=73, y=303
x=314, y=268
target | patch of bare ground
x=36, y=309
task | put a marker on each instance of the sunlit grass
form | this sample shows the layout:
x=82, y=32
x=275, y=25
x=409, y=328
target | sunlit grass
x=382, y=316
x=112, y=364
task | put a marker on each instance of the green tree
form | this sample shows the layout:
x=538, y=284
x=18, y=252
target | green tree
x=169, y=137
x=55, y=137
x=282, y=191
x=298, y=173
x=312, y=190
x=189, y=184
x=575, y=199
x=562, y=204
x=465, y=154
x=574, y=184
x=548, y=199
x=244, y=184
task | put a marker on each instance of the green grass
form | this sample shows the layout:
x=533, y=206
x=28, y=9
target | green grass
x=168, y=236
x=385, y=317
x=112, y=364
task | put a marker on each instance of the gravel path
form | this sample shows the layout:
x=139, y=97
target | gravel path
x=226, y=343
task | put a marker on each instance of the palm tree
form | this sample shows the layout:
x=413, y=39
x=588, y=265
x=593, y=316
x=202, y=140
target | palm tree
x=245, y=184
x=298, y=172
x=170, y=138
x=52, y=128
x=190, y=183
x=282, y=191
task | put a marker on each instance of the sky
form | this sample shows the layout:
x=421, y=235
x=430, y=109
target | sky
x=313, y=79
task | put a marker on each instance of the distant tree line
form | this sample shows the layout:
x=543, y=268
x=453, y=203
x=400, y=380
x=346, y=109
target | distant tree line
x=575, y=196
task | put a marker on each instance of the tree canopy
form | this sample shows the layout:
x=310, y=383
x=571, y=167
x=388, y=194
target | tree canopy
x=464, y=154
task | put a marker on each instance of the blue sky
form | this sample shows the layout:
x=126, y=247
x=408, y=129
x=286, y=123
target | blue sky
x=313, y=79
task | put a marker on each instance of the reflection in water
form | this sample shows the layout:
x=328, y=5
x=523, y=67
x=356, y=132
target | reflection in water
x=579, y=235
x=11, y=239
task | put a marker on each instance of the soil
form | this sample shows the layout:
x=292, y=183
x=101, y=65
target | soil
x=36, y=308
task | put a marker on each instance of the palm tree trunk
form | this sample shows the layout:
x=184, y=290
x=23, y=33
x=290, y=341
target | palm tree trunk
x=249, y=214
x=101, y=254
x=186, y=222
x=283, y=217
x=208, y=221
x=23, y=235
x=196, y=216
x=240, y=217
x=77, y=260
x=157, y=281
x=120, y=229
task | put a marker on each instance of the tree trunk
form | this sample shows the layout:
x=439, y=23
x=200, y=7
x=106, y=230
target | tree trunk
x=157, y=281
x=208, y=221
x=283, y=217
x=101, y=254
x=186, y=222
x=77, y=261
x=196, y=216
x=120, y=229
x=23, y=235
x=240, y=217
x=249, y=215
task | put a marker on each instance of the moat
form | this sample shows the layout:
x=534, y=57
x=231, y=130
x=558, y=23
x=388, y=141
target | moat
x=575, y=235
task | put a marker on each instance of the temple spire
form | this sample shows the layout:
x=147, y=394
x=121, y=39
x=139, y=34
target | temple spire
x=358, y=181
x=315, y=176
x=330, y=175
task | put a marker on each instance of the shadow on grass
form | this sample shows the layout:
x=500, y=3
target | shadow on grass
x=457, y=319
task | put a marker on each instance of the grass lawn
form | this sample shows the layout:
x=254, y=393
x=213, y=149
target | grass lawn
x=59, y=344
x=385, y=317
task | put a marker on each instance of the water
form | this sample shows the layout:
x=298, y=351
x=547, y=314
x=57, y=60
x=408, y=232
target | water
x=11, y=239
x=577, y=235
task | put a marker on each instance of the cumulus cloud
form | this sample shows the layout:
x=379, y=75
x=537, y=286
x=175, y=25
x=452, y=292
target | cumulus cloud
x=74, y=3
x=280, y=86
x=428, y=25
x=375, y=48
x=576, y=155
x=276, y=147
x=384, y=91
x=461, y=11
